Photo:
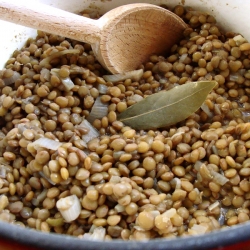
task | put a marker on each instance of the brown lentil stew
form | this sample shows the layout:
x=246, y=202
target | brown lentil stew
x=183, y=180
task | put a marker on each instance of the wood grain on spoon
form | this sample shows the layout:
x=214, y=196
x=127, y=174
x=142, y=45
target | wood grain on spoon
x=121, y=39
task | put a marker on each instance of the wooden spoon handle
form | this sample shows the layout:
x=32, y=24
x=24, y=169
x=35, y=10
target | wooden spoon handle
x=49, y=19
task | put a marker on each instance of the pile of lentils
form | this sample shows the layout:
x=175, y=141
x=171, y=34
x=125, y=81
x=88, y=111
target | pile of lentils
x=136, y=185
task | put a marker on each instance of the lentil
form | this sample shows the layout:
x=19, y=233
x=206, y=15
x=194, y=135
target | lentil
x=162, y=180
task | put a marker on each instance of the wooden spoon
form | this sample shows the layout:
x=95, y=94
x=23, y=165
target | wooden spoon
x=121, y=39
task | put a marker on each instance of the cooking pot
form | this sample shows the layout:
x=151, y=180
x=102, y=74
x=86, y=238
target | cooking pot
x=231, y=16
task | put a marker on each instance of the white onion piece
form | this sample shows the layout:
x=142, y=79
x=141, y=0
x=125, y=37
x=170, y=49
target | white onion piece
x=136, y=98
x=206, y=109
x=93, y=133
x=68, y=84
x=242, y=71
x=46, y=178
x=239, y=39
x=47, y=59
x=2, y=172
x=154, y=213
x=12, y=79
x=102, y=89
x=213, y=206
x=4, y=162
x=119, y=208
x=246, y=115
x=138, y=228
x=219, y=178
x=176, y=134
x=177, y=182
x=98, y=234
x=135, y=75
x=233, y=77
x=215, y=150
x=92, y=228
x=163, y=81
x=45, y=74
x=44, y=142
x=98, y=111
x=170, y=213
x=197, y=165
x=209, y=76
x=118, y=154
x=69, y=207
x=198, y=229
x=217, y=109
x=115, y=179
x=183, y=58
x=1, y=182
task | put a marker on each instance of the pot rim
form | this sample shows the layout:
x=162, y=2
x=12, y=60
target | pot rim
x=34, y=238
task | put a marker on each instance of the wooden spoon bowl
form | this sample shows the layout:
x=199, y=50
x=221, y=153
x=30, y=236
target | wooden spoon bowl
x=121, y=39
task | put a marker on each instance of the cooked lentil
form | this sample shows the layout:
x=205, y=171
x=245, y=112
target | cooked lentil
x=135, y=184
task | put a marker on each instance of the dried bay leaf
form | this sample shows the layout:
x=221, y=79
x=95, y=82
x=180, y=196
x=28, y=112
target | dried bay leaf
x=167, y=107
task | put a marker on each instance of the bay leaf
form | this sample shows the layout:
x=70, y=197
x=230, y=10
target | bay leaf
x=167, y=107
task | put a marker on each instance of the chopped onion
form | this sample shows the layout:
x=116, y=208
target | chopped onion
x=209, y=76
x=45, y=75
x=135, y=75
x=177, y=182
x=176, y=134
x=2, y=98
x=118, y=154
x=42, y=196
x=3, y=172
x=73, y=70
x=170, y=213
x=206, y=109
x=197, y=165
x=138, y=228
x=219, y=178
x=136, y=98
x=217, y=110
x=1, y=183
x=233, y=77
x=5, y=163
x=239, y=40
x=215, y=150
x=67, y=82
x=98, y=111
x=183, y=58
x=78, y=70
x=35, y=202
x=47, y=178
x=163, y=81
x=246, y=116
x=213, y=206
x=12, y=79
x=98, y=234
x=93, y=133
x=92, y=228
x=198, y=229
x=44, y=142
x=66, y=182
x=119, y=208
x=47, y=59
x=102, y=89
x=155, y=213
x=69, y=207
x=115, y=179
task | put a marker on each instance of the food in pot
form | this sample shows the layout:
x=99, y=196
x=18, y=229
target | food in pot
x=69, y=166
